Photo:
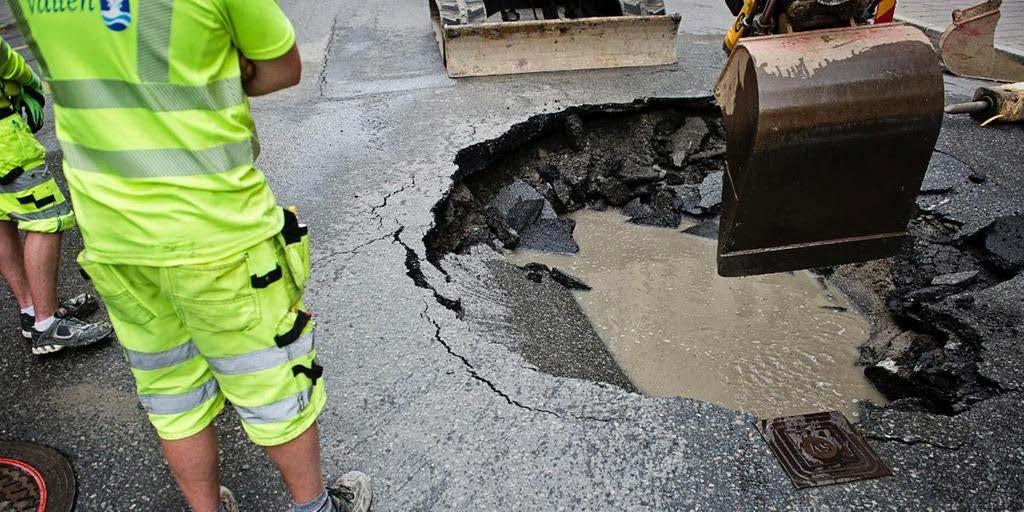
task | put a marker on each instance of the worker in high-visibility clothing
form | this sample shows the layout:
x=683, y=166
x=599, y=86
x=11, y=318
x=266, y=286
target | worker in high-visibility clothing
x=30, y=201
x=201, y=271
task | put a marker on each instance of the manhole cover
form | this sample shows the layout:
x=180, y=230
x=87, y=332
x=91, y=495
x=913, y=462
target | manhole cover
x=820, y=449
x=34, y=478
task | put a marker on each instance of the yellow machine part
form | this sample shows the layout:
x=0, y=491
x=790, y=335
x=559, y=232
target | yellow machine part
x=738, y=28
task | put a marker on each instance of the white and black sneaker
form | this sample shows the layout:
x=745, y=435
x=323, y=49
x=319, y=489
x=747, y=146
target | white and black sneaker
x=27, y=322
x=79, y=306
x=68, y=332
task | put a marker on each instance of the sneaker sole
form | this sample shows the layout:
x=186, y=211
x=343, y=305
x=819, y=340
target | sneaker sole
x=27, y=335
x=46, y=349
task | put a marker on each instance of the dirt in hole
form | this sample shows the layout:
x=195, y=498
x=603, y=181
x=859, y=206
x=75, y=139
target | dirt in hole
x=661, y=161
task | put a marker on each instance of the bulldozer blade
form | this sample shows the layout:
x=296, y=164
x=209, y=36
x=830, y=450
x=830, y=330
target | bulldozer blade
x=497, y=48
x=829, y=134
x=967, y=47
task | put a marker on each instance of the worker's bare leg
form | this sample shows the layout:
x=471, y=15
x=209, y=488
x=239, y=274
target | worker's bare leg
x=193, y=463
x=299, y=463
x=12, y=263
x=42, y=255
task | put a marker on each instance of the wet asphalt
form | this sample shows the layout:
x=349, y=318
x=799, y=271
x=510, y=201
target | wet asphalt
x=440, y=411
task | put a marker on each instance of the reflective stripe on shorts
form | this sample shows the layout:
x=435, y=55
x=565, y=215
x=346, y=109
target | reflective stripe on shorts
x=181, y=402
x=27, y=180
x=281, y=410
x=159, y=360
x=262, y=359
x=60, y=209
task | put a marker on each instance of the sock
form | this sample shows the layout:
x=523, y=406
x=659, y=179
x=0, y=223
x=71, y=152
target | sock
x=43, y=325
x=321, y=503
x=31, y=311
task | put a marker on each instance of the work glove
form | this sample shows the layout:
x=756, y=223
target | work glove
x=30, y=104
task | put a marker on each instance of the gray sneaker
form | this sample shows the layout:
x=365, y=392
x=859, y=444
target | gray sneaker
x=351, y=493
x=79, y=306
x=227, y=500
x=68, y=332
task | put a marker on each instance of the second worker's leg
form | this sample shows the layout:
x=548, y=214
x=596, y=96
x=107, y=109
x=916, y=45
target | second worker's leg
x=42, y=255
x=193, y=462
x=12, y=263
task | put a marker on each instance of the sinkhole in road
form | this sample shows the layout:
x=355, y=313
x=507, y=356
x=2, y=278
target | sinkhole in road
x=774, y=345
x=555, y=189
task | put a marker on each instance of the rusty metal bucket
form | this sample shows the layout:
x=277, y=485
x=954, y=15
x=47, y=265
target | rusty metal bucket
x=829, y=135
x=967, y=47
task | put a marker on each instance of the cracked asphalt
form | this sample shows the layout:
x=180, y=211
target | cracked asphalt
x=439, y=410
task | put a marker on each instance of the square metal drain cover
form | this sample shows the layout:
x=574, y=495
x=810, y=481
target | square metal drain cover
x=820, y=449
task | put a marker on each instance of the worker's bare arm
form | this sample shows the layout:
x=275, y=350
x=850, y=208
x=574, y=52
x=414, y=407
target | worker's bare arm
x=261, y=77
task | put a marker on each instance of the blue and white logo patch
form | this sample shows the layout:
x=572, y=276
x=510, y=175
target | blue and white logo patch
x=117, y=14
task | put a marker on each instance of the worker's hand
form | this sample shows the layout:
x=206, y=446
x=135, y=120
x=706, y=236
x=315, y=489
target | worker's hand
x=30, y=104
x=247, y=67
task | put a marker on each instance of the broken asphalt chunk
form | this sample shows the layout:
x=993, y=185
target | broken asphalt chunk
x=550, y=235
x=705, y=229
x=568, y=281
x=1004, y=243
x=959, y=279
x=518, y=204
x=711, y=190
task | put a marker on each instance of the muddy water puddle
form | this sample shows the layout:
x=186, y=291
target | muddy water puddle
x=770, y=345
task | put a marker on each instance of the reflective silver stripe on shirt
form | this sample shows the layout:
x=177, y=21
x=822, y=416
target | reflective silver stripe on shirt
x=158, y=360
x=27, y=180
x=181, y=402
x=158, y=163
x=262, y=359
x=60, y=209
x=154, y=39
x=281, y=410
x=157, y=97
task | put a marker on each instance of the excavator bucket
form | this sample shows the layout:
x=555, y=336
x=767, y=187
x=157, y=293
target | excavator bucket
x=829, y=134
x=968, y=48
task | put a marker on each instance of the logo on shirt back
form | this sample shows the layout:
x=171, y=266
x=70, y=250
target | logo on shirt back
x=116, y=14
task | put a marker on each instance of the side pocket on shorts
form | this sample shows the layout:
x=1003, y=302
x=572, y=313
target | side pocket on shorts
x=122, y=305
x=294, y=239
x=18, y=147
x=217, y=297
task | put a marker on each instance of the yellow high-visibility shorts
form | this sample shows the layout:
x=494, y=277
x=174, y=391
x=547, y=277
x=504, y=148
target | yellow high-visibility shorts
x=28, y=194
x=235, y=328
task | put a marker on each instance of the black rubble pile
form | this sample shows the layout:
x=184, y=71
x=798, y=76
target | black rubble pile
x=961, y=301
x=659, y=163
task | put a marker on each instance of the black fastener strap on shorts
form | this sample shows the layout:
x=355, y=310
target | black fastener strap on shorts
x=14, y=174
x=266, y=280
x=292, y=230
x=31, y=198
x=313, y=372
x=301, y=320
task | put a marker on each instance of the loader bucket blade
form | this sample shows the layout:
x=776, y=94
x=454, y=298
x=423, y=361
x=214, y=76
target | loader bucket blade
x=829, y=134
x=968, y=48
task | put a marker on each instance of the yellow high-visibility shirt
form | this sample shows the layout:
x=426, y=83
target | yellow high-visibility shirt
x=159, y=145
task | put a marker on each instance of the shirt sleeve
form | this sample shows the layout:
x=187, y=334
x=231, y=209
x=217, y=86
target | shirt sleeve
x=12, y=66
x=259, y=28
